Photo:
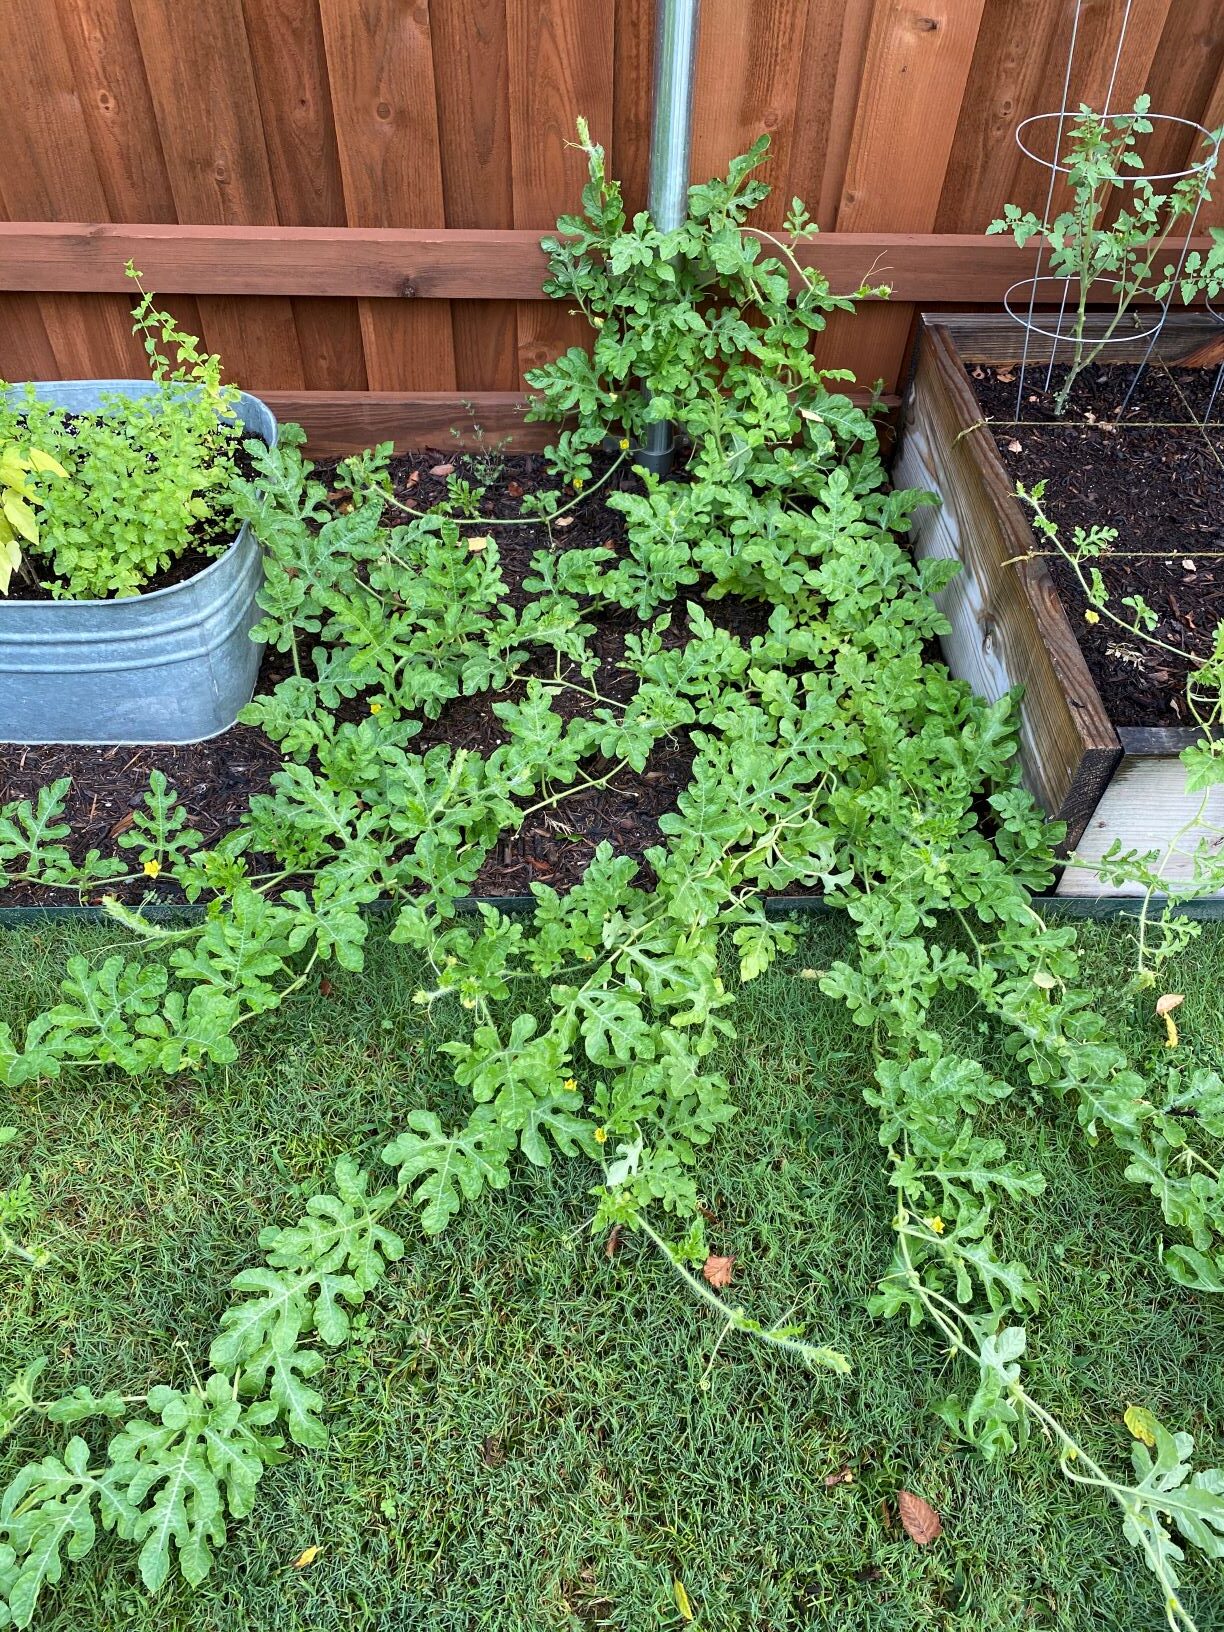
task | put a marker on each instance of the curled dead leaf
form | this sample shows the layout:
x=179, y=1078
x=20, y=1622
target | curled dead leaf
x=919, y=1519
x=564, y=521
x=1015, y=446
x=718, y=1271
x=1164, y=1008
x=121, y=826
x=843, y=1476
x=441, y=470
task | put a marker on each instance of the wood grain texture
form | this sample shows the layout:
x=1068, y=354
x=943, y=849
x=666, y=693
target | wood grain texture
x=339, y=422
x=632, y=94
x=561, y=63
x=217, y=162
x=915, y=75
x=50, y=173
x=830, y=83
x=446, y=264
x=1144, y=808
x=1008, y=627
x=472, y=71
x=290, y=67
x=429, y=114
x=384, y=103
x=749, y=62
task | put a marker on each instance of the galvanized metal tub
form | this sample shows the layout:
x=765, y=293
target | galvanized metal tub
x=172, y=666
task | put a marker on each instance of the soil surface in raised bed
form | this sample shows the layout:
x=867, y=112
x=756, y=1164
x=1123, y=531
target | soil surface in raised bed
x=1153, y=471
x=215, y=780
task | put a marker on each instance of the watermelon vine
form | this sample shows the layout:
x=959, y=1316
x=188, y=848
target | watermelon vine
x=829, y=753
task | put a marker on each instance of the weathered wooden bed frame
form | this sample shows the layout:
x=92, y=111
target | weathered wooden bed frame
x=1105, y=782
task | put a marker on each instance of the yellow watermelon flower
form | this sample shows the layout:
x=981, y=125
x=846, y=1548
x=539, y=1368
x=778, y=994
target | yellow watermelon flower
x=601, y=1136
x=935, y=1225
x=152, y=868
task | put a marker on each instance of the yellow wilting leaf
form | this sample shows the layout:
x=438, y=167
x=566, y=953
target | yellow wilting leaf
x=475, y=545
x=1164, y=1008
x=1043, y=978
x=1141, y=1423
x=307, y=1557
x=682, y=1599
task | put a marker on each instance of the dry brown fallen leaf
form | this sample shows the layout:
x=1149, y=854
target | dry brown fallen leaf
x=612, y=1244
x=919, y=1519
x=1015, y=447
x=514, y=489
x=413, y=478
x=325, y=986
x=564, y=521
x=843, y=1476
x=718, y=1271
x=441, y=470
x=121, y=826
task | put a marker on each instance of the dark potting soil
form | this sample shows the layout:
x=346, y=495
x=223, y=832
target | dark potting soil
x=208, y=539
x=215, y=780
x=1155, y=473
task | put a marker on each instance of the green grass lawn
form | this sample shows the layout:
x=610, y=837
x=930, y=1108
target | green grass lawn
x=530, y=1435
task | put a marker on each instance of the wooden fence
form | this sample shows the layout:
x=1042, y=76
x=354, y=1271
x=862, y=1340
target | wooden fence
x=344, y=197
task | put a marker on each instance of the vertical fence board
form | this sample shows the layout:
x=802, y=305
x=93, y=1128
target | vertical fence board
x=380, y=64
x=50, y=174
x=1187, y=72
x=914, y=80
x=561, y=61
x=104, y=49
x=472, y=72
x=748, y=63
x=829, y=85
x=290, y=66
x=628, y=141
x=198, y=64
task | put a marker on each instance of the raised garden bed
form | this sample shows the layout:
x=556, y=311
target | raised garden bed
x=1100, y=730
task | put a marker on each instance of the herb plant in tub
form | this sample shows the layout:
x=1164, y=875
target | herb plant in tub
x=128, y=586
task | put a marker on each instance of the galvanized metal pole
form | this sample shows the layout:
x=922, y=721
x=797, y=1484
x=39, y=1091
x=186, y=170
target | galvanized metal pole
x=670, y=145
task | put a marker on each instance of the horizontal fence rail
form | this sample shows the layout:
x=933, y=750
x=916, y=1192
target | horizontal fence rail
x=450, y=264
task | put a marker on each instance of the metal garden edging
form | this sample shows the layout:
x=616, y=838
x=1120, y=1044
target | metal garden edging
x=174, y=666
x=779, y=906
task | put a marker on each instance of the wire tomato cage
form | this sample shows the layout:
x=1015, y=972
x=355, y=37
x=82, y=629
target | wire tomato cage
x=1048, y=289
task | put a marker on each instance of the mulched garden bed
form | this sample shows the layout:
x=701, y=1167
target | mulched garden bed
x=215, y=780
x=1154, y=472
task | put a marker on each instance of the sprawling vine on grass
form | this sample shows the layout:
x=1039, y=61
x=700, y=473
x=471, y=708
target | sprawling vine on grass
x=827, y=753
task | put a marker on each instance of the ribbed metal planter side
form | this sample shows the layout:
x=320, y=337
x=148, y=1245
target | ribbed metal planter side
x=172, y=666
